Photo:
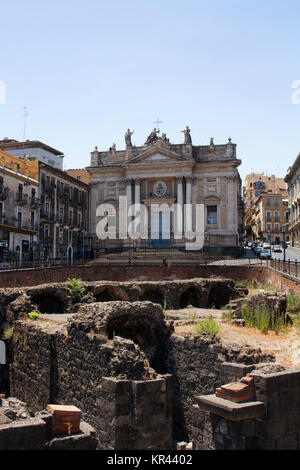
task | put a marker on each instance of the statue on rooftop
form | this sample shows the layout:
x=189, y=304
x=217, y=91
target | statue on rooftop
x=128, y=138
x=152, y=137
x=187, y=135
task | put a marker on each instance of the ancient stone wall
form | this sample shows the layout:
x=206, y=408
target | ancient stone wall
x=67, y=364
x=270, y=420
x=199, y=364
x=279, y=427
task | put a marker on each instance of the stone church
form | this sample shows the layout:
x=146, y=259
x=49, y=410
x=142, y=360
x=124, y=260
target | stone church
x=160, y=172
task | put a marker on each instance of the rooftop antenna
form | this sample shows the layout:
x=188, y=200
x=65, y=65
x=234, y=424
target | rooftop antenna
x=158, y=122
x=24, y=128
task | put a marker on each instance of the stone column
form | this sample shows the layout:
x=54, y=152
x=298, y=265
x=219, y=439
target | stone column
x=231, y=204
x=188, y=200
x=128, y=192
x=137, y=191
x=179, y=215
x=137, y=195
x=188, y=190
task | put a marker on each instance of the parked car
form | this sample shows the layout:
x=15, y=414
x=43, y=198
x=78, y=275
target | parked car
x=266, y=246
x=277, y=249
x=265, y=254
x=253, y=245
x=258, y=250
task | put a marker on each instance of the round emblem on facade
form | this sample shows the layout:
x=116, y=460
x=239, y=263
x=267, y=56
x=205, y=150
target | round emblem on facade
x=160, y=188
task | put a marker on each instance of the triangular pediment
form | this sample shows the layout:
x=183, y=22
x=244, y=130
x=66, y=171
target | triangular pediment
x=158, y=154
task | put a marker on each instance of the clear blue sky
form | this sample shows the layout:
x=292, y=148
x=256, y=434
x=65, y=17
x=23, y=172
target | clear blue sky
x=88, y=70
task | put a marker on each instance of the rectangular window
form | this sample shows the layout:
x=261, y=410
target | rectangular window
x=276, y=202
x=268, y=215
x=268, y=202
x=212, y=215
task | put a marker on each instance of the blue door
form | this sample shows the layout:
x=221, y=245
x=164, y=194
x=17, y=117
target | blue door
x=160, y=229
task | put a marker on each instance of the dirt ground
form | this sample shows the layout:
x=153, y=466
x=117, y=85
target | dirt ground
x=284, y=346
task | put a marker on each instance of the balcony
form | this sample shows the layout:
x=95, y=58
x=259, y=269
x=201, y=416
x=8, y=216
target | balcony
x=46, y=215
x=34, y=203
x=20, y=224
x=22, y=199
x=3, y=193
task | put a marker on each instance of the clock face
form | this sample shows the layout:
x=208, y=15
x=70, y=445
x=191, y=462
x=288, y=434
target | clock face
x=160, y=188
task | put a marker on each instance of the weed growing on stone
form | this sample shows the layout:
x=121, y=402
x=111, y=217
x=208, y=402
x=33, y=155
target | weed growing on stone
x=33, y=315
x=7, y=333
x=268, y=287
x=208, y=326
x=293, y=303
x=76, y=289
x=261, y=319
x=227, y=314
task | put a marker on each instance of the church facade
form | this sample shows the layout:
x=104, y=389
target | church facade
x=161, y=174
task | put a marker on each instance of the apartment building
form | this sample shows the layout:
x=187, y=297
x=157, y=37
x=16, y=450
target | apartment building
x=270, y=217
x=292, y=179
x=256, y=186
x=64, y=214
x=44, y=211
x=19, y=208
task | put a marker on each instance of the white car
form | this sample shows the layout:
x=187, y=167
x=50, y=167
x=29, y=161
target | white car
x=266, y=246
x=277, y=249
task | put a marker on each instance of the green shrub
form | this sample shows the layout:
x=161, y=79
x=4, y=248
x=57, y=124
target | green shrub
x=293, y=302
x=7, y=333
x=261, y=318
x=268, y=287
x=227, y=314
x=33, y=315
x=76, y=289
x=209, y=326
x=241, y=283
x=247, y=315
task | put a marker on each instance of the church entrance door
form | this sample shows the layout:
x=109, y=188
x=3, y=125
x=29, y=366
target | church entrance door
x=160, y=230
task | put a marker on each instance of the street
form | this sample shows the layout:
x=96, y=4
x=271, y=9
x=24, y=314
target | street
x=291, y=254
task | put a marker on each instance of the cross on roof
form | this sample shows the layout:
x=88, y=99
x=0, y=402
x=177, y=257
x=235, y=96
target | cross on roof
x=157, y=122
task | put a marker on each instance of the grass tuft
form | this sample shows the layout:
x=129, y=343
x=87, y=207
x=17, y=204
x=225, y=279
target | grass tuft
x=208, y=326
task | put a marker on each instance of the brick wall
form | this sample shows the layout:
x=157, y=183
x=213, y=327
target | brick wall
x=31, y=277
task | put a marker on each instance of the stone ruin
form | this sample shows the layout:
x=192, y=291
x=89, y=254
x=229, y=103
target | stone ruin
x=116, y=358
x=274, y=303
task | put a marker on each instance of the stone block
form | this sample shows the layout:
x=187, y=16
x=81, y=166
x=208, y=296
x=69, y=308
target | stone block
x=230, y=410
x=30, y=434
